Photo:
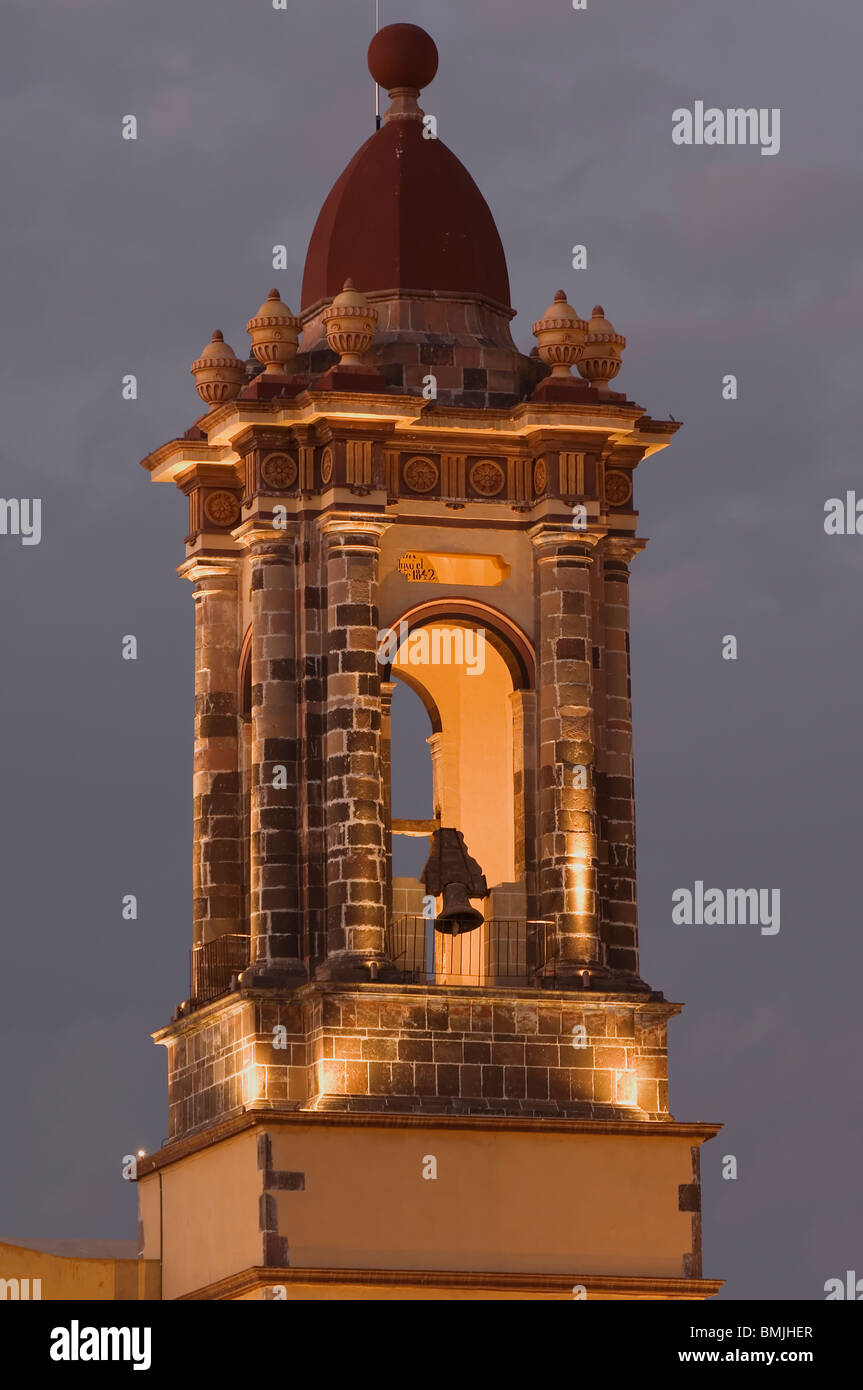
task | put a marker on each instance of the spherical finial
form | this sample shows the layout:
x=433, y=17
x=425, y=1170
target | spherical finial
x=219, y=374
x=348, y=285
x=402, y=55
x=275, y=334
x=350, y=323
x=560, y=334
x=598, y=311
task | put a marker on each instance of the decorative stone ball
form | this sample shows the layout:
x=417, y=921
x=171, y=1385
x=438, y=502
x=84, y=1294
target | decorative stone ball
x=402, y=55
x=600, y=357
x=350, y=323
x=219, y=374
x=275, y=334
x=560, y=335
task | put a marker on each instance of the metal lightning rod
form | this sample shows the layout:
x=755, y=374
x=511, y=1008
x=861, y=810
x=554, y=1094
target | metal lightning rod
x=377, y=88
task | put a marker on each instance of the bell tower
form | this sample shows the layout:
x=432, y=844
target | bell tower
x=450, y=1086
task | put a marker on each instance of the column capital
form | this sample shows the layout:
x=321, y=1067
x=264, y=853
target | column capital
x=387, y=691
x=343, y=527
x=623, y=548
x=218, y=572
x=560, y=539
x=253, y=534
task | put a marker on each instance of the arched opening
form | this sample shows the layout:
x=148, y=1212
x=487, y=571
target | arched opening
x=472, y=682
x=413, y=721
x=411, y=775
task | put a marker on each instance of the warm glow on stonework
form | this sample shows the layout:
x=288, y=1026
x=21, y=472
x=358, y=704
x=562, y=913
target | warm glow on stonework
x=435, y=1084
x=253, y=1082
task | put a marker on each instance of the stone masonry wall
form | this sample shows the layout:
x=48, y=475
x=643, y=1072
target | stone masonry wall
x=417, y=1048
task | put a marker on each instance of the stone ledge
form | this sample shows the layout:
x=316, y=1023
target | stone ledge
x=264, y=1117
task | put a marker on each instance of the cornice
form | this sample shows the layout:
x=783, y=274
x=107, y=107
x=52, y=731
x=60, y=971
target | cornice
x=252, y=1118
x=612, y=1286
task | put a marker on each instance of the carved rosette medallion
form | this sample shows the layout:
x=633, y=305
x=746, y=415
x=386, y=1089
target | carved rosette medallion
x=540, y=476
x=326, y=465
x=278, y=471
x=487, y=478
x=420, y=474
x=618, y=487
x=222, y=508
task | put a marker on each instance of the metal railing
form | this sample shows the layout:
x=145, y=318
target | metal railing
x=213, y=963
x=503, y=950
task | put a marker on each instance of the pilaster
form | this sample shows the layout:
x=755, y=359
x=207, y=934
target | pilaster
x=567, y=787
x=615, y=784
x=275, y=908
x=217, y=850
x=355, y=810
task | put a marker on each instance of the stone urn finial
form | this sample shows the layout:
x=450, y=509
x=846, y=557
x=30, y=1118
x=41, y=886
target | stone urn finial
x=275, y=335
x=600, y=357
x=350, y=323
x=560, y=334
x=219, y=374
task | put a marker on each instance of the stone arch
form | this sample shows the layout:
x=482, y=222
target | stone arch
x=504, y=635
x=483, y=739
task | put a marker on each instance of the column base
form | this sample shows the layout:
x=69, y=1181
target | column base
x=590, y=975
x=576, y=975
x=274, y=974
x=356, y=967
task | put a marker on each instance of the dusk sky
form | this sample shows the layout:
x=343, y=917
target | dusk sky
x=123, y=256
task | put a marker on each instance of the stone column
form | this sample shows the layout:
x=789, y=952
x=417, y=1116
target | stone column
x=436, y=752
x=274, y=898
x=217, y=866
x=615, y=786
x=355, y=811
x=387, y=692
x=523, y=703
x=567, y=793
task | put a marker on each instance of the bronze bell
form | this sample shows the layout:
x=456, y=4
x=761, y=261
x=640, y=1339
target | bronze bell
x=457, y=915
x=452, y=873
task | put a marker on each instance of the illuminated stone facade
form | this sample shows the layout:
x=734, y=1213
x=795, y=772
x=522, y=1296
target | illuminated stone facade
x=338, y=496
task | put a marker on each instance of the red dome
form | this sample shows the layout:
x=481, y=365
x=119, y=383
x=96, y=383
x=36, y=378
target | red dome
x=405, y=214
